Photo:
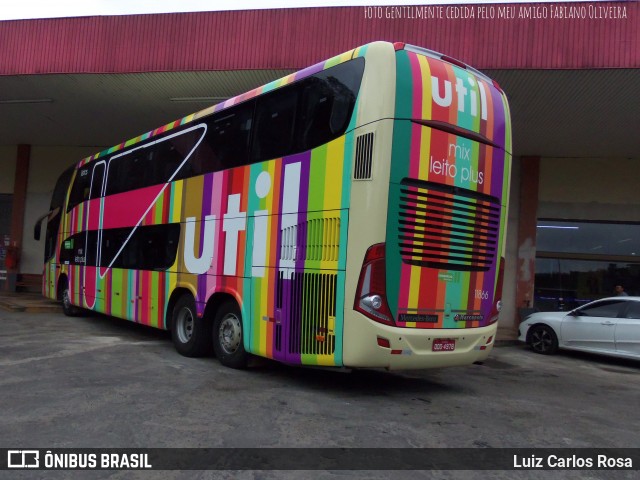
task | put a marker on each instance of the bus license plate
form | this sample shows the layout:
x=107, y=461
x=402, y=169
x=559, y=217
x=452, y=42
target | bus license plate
x=443, y=345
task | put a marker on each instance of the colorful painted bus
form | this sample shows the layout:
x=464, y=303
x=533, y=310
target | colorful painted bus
x=351, y=214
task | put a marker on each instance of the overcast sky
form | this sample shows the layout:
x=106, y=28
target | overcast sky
x=18, y=9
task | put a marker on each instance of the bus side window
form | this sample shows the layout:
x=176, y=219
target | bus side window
x=343, y=103
x=139, y=170
x=96, y=183
x=112, y=241
x=80, y=249
x=275, y=124
x=67, y=250
x=307, y=113
x=117, y=176
x=227, y=141
x=315, y=114
x=81, y=187
x=173, y=152
x=168, y=157
x=130, y=171
x=151, y=247
x=91, y=248
x=157, y=246
x=329, y=98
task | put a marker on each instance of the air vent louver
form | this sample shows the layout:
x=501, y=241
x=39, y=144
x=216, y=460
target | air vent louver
x=447, y=227
x=364, y=157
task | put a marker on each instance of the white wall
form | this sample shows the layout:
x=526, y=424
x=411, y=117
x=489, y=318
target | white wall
x=570, y=188
x=46, y=165
x=589, y=189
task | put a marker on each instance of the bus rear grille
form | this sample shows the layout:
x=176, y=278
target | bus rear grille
x=316, y=239
x=364, y=157
x=447, y=227
x=311, y=315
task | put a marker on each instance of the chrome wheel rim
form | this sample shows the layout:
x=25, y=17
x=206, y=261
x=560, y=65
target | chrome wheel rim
x=184, y=325
x=541, y=340
x=230, y=333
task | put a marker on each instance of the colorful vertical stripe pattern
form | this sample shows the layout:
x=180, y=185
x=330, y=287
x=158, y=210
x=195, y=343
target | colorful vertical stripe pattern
x=291, y=211
x=320, y=222
x=441, y=93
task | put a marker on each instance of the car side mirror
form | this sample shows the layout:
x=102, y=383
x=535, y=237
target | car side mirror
x=37, y=228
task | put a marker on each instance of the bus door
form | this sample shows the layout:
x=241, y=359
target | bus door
x=276, y=296
x=93, y=287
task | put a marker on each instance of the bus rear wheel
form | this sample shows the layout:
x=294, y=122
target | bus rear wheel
x=228, y=342
x=190, y=334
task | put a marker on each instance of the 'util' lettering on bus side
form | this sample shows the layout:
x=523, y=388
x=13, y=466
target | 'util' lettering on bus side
x=445, y=100
x=234, y=221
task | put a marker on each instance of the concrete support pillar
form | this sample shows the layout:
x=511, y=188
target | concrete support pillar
x=19, y=199
x=529, y=183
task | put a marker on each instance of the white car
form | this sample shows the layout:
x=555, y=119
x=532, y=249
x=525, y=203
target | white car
x=610, y=326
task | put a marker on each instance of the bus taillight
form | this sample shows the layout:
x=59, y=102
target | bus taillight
x=371, y=295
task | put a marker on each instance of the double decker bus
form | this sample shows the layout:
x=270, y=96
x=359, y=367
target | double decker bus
x=351, y=214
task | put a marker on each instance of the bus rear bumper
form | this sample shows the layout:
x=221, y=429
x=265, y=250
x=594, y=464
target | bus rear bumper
x=393, y=348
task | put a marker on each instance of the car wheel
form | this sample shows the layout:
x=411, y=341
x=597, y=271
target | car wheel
x=228, y=343
x=543, y=340
x=191, y=334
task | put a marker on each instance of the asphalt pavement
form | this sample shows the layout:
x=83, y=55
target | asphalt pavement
x=100, y=382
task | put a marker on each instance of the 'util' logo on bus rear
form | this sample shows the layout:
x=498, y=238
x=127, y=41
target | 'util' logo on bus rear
x=445, y=99
x=235, y=221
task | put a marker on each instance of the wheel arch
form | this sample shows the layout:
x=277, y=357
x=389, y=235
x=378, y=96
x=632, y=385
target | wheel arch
x=212, y=304
x=175, y=295
x=217, y=299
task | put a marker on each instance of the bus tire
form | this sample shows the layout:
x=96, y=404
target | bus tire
x=228, y=342
x=68, y=308
x=190, y=334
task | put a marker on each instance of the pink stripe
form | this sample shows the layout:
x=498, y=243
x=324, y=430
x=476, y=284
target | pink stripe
x=127, y=209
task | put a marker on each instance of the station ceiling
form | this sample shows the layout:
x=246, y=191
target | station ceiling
x=97, y=81
x=555, y=113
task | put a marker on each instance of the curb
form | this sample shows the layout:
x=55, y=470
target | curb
x=29, y=307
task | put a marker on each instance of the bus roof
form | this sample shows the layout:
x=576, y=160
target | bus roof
x=293, y=77
x=272, y=86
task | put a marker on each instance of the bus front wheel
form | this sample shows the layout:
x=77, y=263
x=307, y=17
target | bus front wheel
x=68, y=308
x=190, y=334
x=228, y=336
